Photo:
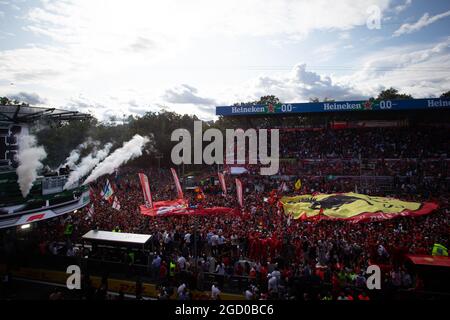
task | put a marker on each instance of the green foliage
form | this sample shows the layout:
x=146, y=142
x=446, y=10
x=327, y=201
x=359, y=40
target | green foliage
x=393, y=94
x=446, y=94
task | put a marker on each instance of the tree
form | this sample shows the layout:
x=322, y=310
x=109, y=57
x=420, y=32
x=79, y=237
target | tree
x=315, y=100
x=4, y=101
x=445, y=94
x=268, y=100
x=393, y=94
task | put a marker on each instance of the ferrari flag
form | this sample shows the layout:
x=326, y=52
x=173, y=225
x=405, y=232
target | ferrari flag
x=352, y=206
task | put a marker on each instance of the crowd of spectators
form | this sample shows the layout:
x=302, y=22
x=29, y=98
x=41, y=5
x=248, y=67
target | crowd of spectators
x=278, y=257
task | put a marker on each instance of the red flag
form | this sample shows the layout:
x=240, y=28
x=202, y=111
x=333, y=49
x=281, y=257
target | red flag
x=179, y=207
x=222, y=182
x=177, y=183
x=165, y=208
x=146, y=190
x=239, y=192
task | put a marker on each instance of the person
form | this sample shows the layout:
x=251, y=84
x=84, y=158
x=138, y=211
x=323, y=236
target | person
x=180, y=290
x=172, y=267
x=327, y=296
x=187, y=238
x=163, y=272
x=70, y=251
x=220, y=273
x=272, y=283
x=163, y=294
x=249, y=294
x=342, y=296
x=156, y=264
x=181, y=263
x=363, y=296
x=215, y=292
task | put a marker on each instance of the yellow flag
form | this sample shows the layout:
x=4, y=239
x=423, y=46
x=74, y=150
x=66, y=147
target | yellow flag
x=298, y=184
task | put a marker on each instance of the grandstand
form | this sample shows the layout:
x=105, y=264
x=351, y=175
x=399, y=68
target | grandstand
x=46, y=199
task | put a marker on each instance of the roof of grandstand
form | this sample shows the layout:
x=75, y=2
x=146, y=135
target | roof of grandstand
x=27, y=114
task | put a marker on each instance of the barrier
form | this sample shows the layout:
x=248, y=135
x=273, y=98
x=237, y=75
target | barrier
x=114, y=285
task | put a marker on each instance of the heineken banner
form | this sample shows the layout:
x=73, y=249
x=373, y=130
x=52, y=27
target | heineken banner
x=352, y=206
x=335, y=106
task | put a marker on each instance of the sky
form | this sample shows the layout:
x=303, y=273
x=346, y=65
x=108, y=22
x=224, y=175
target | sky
x=116, y=58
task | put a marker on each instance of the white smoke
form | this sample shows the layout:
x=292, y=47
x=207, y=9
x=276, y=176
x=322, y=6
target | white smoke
x=29, y=157
x=130, y=150
x=87, y=164
x=74, y=155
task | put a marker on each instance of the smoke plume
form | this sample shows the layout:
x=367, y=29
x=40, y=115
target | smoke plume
x=87, y=164
x=74, y=155
x=29, y=157
x=130, y=150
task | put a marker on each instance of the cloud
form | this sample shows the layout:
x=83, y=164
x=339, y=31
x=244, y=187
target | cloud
x=403, y=7
x=68, y=21
x=424, y=21
x=417, y=70
x=30, y=98
x=301, y=85
x=136, y=108
x=4, y=34
x=142, y=44
x=184, y=94
x=35, y=64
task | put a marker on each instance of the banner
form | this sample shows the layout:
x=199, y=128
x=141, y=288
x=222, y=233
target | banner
x=177, y=183
x=222, y=182
x=146, y=190
x=334, y=106
x=352, y=206
x=240, y=196
x=180, y=207
x=165, y=207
